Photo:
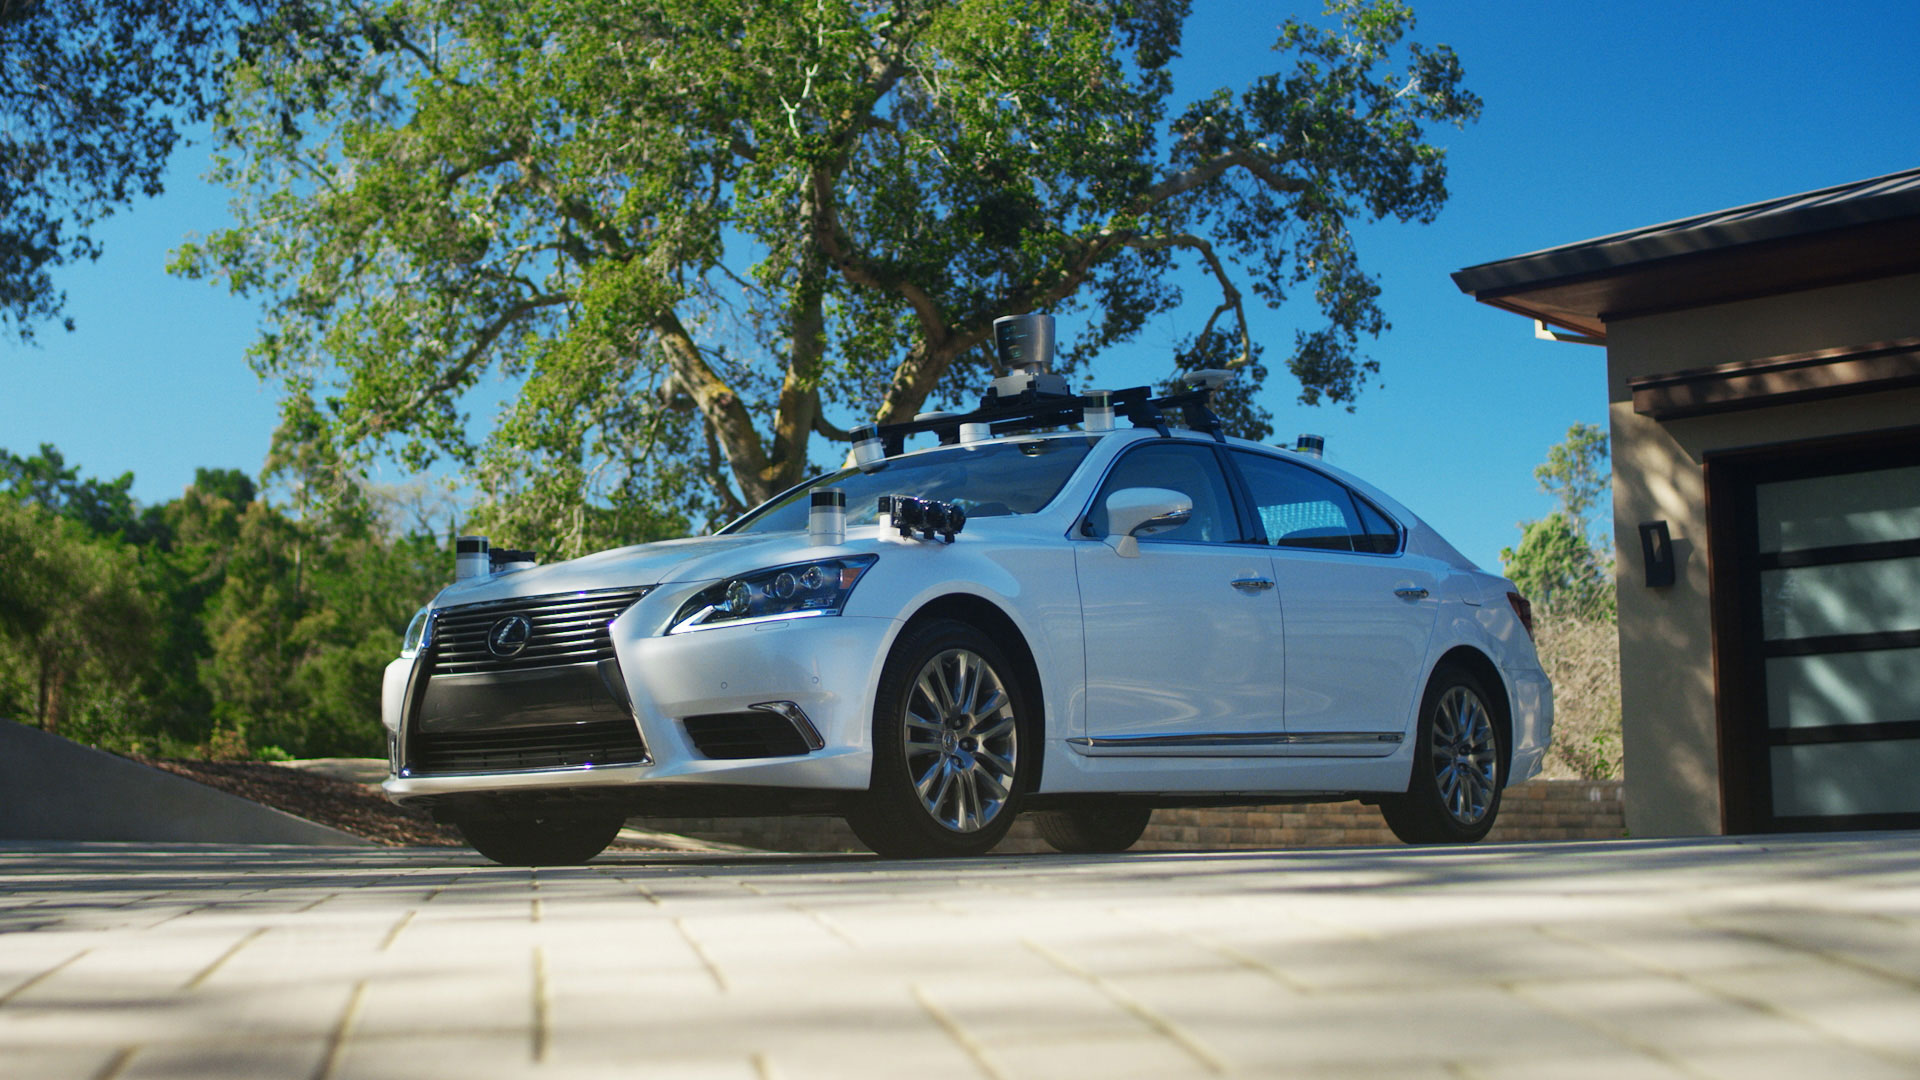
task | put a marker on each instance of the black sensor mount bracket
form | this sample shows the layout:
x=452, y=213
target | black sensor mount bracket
x=1031, y=411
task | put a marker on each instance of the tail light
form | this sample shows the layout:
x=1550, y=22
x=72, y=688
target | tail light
x=1523, y=610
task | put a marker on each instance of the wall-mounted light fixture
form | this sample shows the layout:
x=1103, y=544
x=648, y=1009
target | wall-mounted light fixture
x=1656, y=553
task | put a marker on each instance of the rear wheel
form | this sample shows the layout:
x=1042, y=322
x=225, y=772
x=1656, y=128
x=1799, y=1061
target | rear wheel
x=949, y=762
x=541, y=841
x=1093, y=830
x=1454, y=793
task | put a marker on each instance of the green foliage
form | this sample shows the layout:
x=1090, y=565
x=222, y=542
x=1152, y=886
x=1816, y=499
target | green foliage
x=690, y=230
x=222, y=626
x=102, y=507
x=90, y=91
x=1558, y=565
x=1576, y=473
x=71, y=613
x=1556, y=568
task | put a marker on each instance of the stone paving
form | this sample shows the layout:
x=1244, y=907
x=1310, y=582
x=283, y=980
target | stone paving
x=1721, y=958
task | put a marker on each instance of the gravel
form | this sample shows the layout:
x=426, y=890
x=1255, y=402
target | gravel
x=349, y=807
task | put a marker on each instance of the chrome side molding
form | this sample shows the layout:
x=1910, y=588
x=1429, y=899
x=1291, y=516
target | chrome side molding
x=1242, y=743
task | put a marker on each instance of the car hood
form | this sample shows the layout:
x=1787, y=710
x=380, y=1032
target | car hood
x=695, y=558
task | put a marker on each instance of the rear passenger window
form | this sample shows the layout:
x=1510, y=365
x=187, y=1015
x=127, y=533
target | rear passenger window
x=1300, y=508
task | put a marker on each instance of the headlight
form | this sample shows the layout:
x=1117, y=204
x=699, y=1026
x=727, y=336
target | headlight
x=419, y=634
x=795, y=591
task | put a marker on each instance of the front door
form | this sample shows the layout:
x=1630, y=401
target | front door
x=1184, y=643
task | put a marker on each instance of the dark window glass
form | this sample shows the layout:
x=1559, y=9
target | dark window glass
x=1298, y=507
x=988, y=481
x=1379, y=535
x=1187, y=468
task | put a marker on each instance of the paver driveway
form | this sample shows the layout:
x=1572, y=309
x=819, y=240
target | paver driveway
x=1779, y=957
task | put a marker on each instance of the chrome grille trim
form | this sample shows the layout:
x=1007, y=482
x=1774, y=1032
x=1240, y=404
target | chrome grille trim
x=568, y=628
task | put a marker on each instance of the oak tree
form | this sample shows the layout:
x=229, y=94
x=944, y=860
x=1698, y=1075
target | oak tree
x=693, y=234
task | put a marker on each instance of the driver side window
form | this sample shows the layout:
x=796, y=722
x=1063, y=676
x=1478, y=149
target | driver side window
x=1188, y=468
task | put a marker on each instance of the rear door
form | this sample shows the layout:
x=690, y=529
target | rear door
x=1359, y=613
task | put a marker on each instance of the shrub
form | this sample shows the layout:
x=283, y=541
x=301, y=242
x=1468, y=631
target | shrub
x=1581, y=654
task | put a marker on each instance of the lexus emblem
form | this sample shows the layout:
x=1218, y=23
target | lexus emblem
x=508, y=637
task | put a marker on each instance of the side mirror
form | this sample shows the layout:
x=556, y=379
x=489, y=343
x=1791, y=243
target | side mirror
x=1136, y=512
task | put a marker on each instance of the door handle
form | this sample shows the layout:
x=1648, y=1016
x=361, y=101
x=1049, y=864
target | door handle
x=1252, y=584
x=1410, y=592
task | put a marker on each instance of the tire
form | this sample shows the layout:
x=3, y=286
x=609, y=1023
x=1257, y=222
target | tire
x=950, y=756
x=541, y=841
x=1098, y=830
x=1459, y=761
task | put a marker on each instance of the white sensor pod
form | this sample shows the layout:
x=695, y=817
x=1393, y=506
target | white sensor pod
x=1098, y=415
x=867, y=451
x=471, y=558
x=827, y=518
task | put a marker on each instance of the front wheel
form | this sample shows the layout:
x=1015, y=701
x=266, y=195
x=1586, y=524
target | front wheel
x=1454, y=793
x=949, y=762
x=541, y=841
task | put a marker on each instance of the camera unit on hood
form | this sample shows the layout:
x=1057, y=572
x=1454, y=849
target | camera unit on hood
x=928, y=517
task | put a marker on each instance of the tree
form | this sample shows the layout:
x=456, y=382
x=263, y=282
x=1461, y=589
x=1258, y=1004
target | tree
x=91, y=92
x=1577, y=474
x=696, y=230
x=1558, y=565
x=71, y=609
x=1557, y=568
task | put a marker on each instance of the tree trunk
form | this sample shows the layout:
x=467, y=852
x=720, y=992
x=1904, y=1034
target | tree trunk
x=799, y=396
x=52, y=705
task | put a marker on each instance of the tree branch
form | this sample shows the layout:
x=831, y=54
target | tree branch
x=1262, y=165
x=455, y=373
x=825, y=429
x=726, y=415
x=1229, y=294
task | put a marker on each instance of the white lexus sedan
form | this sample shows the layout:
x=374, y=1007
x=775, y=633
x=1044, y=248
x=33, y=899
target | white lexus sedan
x=1079, y=607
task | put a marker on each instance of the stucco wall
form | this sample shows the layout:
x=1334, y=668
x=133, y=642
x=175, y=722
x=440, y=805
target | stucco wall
x=1666, y=661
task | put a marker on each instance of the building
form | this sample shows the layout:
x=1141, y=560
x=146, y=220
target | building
x=1763, y=376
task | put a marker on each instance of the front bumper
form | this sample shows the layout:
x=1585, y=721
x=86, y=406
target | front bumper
x=824, y=667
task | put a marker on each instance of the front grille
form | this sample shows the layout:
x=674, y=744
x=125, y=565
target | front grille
x=568, y=628
x=554, y=746
x=745, y=735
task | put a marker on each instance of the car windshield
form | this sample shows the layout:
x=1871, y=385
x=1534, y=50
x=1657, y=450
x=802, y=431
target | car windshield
x=993, y=480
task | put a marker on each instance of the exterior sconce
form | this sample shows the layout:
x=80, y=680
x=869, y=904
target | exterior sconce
x=1656, y=553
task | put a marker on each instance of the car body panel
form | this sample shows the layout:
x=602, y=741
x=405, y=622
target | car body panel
x=1173, y=647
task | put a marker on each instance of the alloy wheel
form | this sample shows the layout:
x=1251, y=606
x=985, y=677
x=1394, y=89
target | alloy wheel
x=962, y=740
x=1466, y=757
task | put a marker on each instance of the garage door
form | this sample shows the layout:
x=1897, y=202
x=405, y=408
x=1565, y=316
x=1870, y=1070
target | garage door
x=1830, y=583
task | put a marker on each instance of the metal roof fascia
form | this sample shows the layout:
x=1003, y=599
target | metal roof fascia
x=1824, y=210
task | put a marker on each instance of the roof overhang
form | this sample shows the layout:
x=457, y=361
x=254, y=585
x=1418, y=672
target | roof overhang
x=1854, y=232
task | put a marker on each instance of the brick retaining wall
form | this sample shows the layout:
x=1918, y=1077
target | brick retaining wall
x=1539, y=810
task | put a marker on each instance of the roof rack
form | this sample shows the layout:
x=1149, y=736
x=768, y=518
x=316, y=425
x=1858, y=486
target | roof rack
x=1031, y=411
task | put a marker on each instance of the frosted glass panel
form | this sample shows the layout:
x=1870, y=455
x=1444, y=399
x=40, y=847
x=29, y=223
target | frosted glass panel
x=1829, y=511
x=1878, y=687
x=1828, y=779
x=1848, y=598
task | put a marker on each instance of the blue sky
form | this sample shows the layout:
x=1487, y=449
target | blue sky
x=1599, y=117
